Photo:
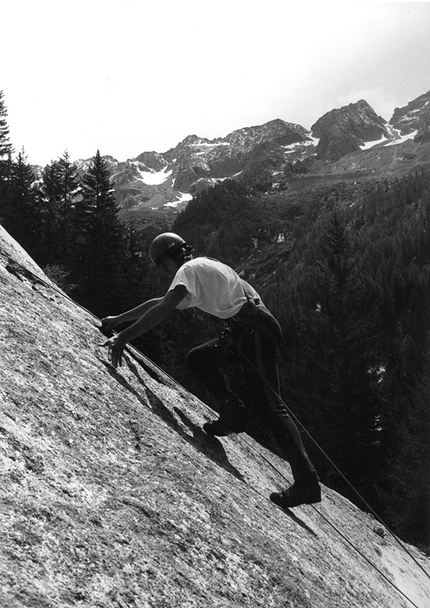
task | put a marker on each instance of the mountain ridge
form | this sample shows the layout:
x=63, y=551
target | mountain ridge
x=269, y=156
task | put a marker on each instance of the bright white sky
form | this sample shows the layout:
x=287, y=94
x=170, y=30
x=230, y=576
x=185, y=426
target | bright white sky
x=128, y=76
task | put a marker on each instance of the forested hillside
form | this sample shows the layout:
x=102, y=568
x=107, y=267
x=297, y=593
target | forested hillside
x=345, y=268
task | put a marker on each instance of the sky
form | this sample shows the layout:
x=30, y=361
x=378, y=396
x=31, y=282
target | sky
x=129, y=76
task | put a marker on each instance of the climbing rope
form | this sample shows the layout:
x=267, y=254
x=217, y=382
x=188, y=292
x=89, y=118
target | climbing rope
x=345, y=479
x=339, y=532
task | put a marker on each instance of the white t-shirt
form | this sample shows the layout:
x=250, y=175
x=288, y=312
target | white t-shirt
x=212, y=287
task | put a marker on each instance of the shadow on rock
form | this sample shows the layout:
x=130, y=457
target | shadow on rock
x=201, y=441
x=297, y=520
x=121, y=380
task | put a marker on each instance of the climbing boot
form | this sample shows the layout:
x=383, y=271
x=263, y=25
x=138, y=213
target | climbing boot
x=304, y=494
x=232, y=420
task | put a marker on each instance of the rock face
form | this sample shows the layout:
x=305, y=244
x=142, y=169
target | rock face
x=154, y=180
x=199, y=161
x=112, y=496
x=414, y=118
x=343, y=131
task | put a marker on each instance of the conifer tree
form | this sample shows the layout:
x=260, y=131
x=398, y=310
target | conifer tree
x=50, y=215
x=135, y=269
x=5, y=145
x=5, y=162
x=98, y=240
x=69, y=187
x=24, y=209
x=60, y=191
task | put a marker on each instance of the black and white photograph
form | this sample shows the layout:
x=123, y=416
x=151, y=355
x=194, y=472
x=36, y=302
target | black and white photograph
x=215, y=304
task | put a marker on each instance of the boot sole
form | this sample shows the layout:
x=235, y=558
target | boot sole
x=282, y=504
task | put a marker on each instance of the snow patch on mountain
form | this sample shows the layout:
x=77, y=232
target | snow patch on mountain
x=402, y=138
x=369, y=144
x=300, y=144
x=184, y=197
x=154, y=178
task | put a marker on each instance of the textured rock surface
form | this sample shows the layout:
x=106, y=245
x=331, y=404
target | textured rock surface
x=343, y=130
x=111, y=495
x=414, y=117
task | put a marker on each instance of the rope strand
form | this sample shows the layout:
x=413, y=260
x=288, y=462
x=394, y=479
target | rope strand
x=343, y=536
x=345, y=479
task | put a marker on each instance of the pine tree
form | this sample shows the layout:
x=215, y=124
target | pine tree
x=60, y=192
x=50, y=215
x=24, y=209
x=98, y=240
x=136, y=272
x=5, y=145
x=5, y=163
x=69, y=187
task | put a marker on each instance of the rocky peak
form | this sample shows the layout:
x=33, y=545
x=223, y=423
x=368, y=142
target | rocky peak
x=198, y=162
x=152, y=161
x=276, y=131
x=345, y=130
x=414, y=118
x=192, y=144
x=240, y=141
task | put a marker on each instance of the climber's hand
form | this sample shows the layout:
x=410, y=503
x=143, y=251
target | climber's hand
x=115, y=346
x=108, y=323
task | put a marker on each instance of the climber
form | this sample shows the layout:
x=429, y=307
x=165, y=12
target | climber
x=248, y=343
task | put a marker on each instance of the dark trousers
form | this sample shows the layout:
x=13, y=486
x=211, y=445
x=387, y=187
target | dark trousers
x=251, y=352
